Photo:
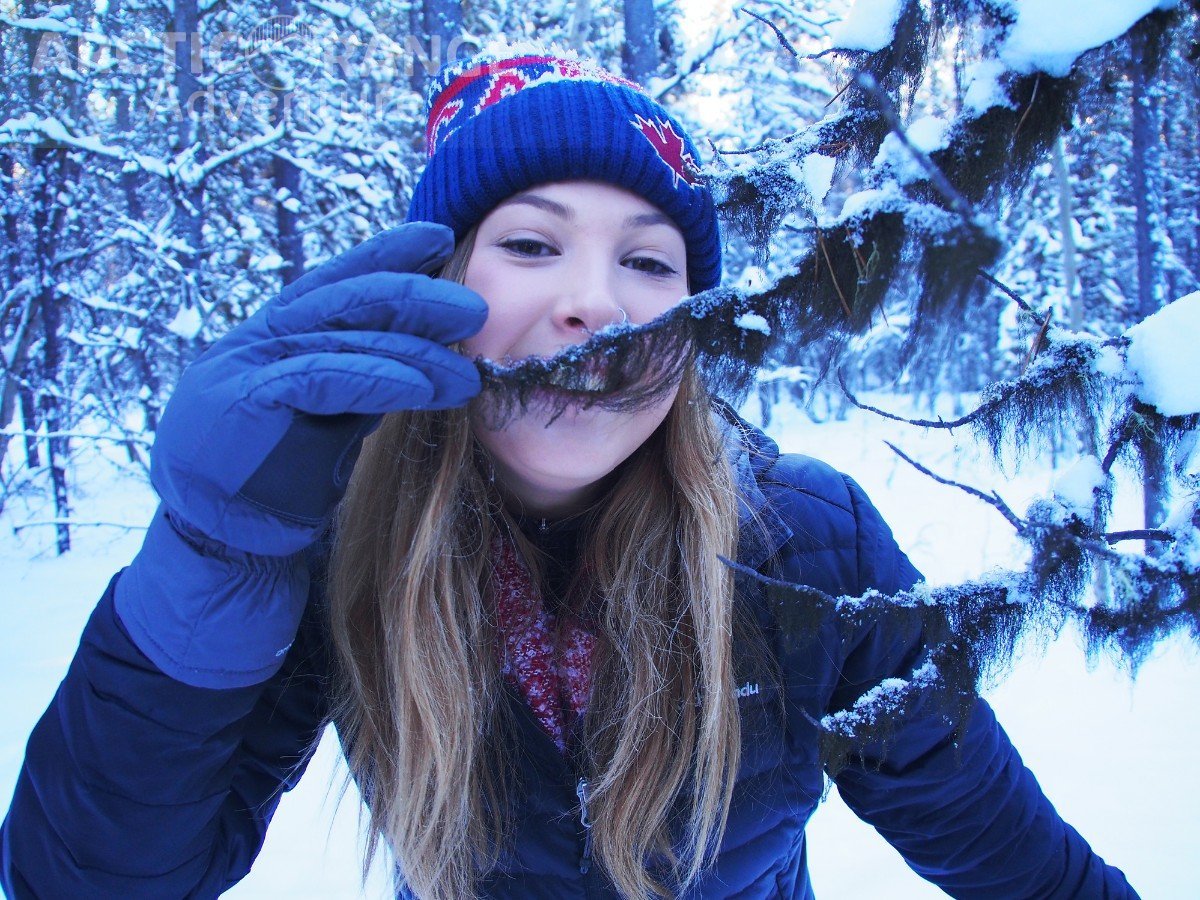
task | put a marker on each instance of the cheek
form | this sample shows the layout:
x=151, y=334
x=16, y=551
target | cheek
x=508, y=312
x=484, y=342
x=646, y=300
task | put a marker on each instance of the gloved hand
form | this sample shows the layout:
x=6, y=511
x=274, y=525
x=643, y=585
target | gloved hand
x=258, y=441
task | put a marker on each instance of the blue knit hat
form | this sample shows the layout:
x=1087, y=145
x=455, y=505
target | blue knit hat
x=500, y=123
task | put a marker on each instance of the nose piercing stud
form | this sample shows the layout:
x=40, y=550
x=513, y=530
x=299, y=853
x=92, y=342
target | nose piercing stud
x=624, y=321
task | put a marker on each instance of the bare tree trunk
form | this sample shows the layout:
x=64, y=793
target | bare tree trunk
x=435, y=23
x=128, y=179
x=1145, y=46
x=189, y=144
x=286, y=176
x=14, y=362
x=639, y=55
x=581, y=24
x=1191, y=131
x=48, y=170
x=29, y=422
x=135, y=210
x=12, y=267
x=1066, y=221
x=10, y=276
x=1144, y=172
x=52, y=173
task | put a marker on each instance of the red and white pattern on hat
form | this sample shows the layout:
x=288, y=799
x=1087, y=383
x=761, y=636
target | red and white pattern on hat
x=501, y=85
x=670, y=149
x=487, y=83
x=439, y=129
x=585, y=71
x=549, y=660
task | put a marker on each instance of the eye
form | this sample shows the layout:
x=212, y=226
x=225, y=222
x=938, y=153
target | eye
x=528, y=247
x=650, y=266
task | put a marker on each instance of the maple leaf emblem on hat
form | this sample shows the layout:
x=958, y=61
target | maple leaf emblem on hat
x=438, y=124
x=670, y=148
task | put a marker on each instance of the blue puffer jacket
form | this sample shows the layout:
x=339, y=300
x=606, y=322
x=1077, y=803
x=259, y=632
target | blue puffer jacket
x=136, y=785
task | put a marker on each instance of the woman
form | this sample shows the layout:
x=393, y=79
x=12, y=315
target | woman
x=546, y=681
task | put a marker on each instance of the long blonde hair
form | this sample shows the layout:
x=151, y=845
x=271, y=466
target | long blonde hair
x=419, y=698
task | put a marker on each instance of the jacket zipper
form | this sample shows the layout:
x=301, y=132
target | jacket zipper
x=581, y=791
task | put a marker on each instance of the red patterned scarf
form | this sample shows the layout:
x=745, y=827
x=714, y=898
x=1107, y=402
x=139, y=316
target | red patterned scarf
x=548, y=657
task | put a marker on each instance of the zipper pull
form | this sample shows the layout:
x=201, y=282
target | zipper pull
x=581, y=791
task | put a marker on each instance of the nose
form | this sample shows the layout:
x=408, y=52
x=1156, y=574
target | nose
x=588, y=299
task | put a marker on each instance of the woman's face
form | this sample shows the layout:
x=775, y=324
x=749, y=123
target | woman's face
x=556, y=263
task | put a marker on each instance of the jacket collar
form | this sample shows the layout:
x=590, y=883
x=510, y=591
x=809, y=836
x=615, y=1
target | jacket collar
x=761, y=531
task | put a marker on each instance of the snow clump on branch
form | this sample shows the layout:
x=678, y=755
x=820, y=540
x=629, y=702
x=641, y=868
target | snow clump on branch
x=1162, y=354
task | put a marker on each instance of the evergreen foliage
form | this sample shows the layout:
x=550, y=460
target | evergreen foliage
x=972, y=630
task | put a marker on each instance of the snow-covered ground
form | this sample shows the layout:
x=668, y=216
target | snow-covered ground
x=1114, y=754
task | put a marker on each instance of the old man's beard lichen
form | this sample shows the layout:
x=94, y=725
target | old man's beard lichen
x=624, y=368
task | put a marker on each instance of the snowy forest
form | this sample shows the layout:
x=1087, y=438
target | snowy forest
x=976, y=220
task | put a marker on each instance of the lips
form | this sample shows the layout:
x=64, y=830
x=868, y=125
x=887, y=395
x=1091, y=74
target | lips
x=592, y=377
x=623, y=373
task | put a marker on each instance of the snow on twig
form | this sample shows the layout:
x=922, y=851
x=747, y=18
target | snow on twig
x=81, y=435
x=993, y=499
x=75, y=523
x=779, y=35
x=660, y=91
x=1015, y=297
x=1144, y=534
x=49, y=128
x=867, y=83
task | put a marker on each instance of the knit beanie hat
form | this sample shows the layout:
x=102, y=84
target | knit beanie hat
x=504, y=121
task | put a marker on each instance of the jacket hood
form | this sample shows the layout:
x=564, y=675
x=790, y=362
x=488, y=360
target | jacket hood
x=752, y=454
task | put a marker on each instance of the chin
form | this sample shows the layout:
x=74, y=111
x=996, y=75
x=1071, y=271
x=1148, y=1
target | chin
x=580, y=445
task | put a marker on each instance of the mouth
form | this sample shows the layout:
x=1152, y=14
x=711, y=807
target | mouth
x=593, y=379
x=617, y=375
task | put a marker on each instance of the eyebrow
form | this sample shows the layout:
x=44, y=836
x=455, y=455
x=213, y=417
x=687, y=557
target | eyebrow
x=640, y=220
x=637, y=220
x=542, y=203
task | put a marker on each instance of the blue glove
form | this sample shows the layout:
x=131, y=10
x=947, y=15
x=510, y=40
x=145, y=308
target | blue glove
x=258, y=441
